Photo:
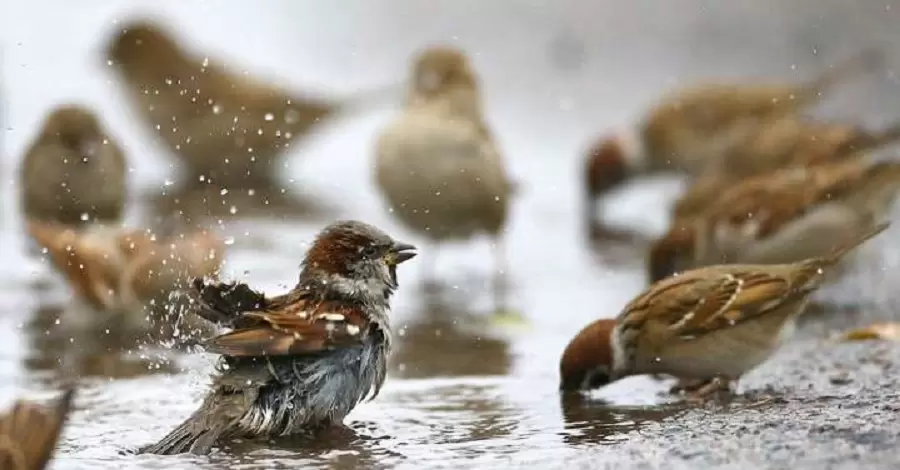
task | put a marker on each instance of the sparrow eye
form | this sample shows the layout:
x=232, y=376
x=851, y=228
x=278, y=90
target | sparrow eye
x=370, y=251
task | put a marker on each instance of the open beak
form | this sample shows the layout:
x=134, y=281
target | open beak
x=402, y=252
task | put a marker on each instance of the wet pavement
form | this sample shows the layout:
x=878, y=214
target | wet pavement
x=462, y=392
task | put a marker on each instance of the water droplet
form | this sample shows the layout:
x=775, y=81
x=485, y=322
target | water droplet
x=85, y=217
x=229, y=240
x=233, y=210
x=269, y=116
x=224, y=191
x=217, y=109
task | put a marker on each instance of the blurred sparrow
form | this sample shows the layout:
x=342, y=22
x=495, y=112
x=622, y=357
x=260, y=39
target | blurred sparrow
x=226, y=126
x=437, y=164
x=73, y=172
x=783, y=143
x=711, y=324
x=692, y=127
x=128, y=276
x=29, y=433
x=783, y=217
x=298, y=362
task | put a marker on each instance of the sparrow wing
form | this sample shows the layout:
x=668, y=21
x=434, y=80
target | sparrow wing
x=88, y=265
x=29, y=432
x=225, y=303
x=702, y=301
x=763, y=205
x=289, y=324
x=298, y=328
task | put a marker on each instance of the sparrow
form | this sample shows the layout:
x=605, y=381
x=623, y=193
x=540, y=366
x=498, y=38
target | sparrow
x=783, y=217
x=229, y=128
x=29, y=433
x=73, y=172
x=130, y=278
x=692, y=127
x=783, y=143
x=711, y=324
x=297, y=363
x=437, y=164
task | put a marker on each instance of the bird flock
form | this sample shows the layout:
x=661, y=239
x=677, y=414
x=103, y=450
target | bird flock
x=776, y=201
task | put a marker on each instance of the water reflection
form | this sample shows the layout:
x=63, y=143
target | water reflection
x=457, y=412
x=444, y=338
x=77, y=352
x=338, y=448
x=590, y=421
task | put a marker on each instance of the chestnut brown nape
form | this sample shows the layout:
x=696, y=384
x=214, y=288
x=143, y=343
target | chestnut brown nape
x=341, y=243
x=668, y=254
x=587, y=361
x=605, y=167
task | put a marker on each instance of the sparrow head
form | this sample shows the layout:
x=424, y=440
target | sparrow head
x=439, y=69
x=587, y=362
x=612, y=161
x=672, y=253
x=73, y=127
x=142, y=44
x=355, y=259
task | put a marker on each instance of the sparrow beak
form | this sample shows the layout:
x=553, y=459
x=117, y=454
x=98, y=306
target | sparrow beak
x=401, y=252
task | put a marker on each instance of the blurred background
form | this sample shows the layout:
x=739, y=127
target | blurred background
x=556, y=75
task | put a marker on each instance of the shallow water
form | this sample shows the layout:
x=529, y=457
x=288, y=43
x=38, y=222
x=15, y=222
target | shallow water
x=461, y=393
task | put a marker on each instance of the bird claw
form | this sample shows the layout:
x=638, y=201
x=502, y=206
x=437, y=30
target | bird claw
x=701, y=390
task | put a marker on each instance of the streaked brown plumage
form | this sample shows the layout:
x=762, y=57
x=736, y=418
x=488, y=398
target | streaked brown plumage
x=125, y=274
x=784, y=143
x=437, y=164
x=691, y=128
x=73, y=172
x=297, y=363
x=29, y=433
x=225, y=125
x=782, y=217
x=708, y=324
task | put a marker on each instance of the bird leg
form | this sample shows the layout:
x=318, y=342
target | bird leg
x=503, y=313
x=700, y=389
x=500, y=282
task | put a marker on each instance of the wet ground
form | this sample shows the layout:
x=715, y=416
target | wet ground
x=463, y=393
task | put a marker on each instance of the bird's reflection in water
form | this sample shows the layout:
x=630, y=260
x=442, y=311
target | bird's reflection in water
x=343, y=447
x=86, y=353
x=590, y=421
x=269, y=199
x=443, y=338
x=459, y=412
